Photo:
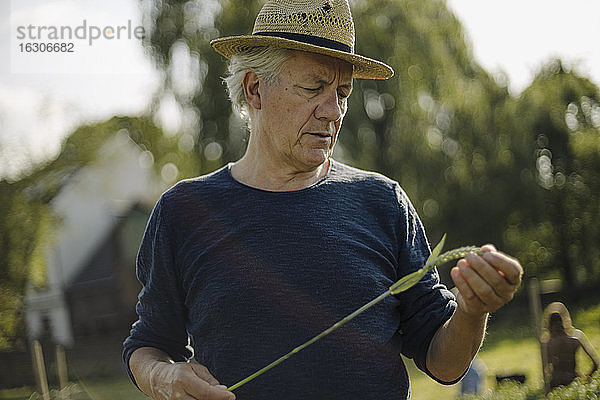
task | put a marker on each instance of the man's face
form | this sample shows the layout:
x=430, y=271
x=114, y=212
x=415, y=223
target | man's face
x=301, y=112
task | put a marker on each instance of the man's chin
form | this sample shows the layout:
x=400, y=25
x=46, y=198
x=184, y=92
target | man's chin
x=317, y=157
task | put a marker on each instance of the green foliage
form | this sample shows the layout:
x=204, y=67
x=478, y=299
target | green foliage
x=22, y=222
x=211, y=132
x=580, y=389
x=560, y=116
x=27, y=224
x=588, y=318
x=509, y=390
x=443, y=128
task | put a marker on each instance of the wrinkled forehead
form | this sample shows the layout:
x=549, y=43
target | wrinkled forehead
x=320, y=67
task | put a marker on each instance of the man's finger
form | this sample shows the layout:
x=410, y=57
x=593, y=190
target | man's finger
x=465, y=297
x=479, y=286
x=488, y=247
x=492, y=276
x=202, y=385
x=204, y=374
x=204, y=391
x=510, y=267
x=461, y=284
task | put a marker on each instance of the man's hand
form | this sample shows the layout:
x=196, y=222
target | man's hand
x=162, y=379
x=485, y=283
x=183, y=381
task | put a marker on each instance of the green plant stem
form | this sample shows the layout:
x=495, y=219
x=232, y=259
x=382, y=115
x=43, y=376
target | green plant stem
x=403, y=284
x=326, y=332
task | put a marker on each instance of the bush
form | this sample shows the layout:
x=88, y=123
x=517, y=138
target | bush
x=509, y=391
x=580, y=389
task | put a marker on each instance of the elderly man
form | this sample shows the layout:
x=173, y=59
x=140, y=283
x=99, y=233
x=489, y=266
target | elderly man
x=242, y=265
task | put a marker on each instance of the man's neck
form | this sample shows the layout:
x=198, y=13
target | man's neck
x=267, y=175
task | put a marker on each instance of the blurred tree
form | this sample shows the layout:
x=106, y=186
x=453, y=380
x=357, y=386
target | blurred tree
x=561, y=116
x=21, y=258
x=179, y=42
x=437, y=125
x=27, y=223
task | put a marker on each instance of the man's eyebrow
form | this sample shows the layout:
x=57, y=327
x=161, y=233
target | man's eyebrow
x=321, y=80
x=317, y=79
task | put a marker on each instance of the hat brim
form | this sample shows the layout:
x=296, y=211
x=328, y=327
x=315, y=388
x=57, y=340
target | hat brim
x=364, y=67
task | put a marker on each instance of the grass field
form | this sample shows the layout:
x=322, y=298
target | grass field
x=111, y=389
x=510, y=347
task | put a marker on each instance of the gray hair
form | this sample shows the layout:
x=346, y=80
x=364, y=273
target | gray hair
x=265, y=61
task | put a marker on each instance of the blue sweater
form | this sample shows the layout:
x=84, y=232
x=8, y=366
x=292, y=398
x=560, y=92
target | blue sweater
x=236, y=277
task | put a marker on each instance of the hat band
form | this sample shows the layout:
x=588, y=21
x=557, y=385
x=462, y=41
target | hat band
x=309, y=39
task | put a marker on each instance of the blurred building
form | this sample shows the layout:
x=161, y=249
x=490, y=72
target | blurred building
x=91, y=286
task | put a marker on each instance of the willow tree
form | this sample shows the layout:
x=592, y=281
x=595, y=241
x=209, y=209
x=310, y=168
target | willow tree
x=208, y=130
x=561, y=113
x=439, y=126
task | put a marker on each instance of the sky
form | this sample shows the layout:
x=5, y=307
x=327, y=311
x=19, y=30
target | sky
x=517, y=36
x=45, y=96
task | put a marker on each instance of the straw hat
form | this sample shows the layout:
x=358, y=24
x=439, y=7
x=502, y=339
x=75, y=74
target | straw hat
x=316, y=26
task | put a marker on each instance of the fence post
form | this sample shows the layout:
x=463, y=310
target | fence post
x=536, y=306
x=536, y=310
x=40, y=370
x=61, y=366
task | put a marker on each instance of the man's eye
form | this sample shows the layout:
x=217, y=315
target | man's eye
x=312, y=90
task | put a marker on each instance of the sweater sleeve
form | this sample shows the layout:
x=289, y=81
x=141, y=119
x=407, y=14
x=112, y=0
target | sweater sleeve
x=160, y=307
x=427, y=305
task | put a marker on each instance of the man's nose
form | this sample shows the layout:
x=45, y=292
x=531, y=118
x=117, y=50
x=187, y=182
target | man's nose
x=330, y=108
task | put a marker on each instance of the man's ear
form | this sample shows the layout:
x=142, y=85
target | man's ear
x=250, y=85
